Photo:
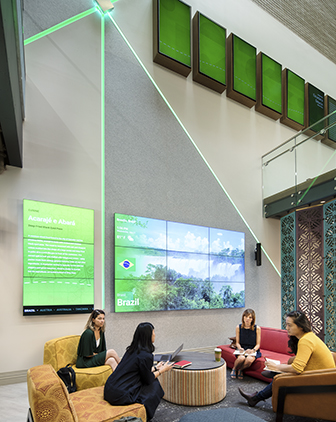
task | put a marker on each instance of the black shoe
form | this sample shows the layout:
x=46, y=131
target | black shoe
x=252, y=399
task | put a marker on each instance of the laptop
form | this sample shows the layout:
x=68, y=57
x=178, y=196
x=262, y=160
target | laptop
x=170, y=357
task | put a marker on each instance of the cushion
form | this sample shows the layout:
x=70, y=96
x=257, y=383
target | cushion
x=275, y=340
x=61, y=351
x=91, y=407
x=92, y=377
x=48, y=396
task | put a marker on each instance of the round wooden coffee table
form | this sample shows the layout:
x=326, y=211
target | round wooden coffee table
x=200, y=384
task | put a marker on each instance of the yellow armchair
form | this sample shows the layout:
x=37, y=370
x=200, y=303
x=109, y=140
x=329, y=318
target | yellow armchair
x=50, y=401
x=63, y=350
x=311, y=394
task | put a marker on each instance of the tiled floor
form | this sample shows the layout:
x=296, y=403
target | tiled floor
x=13, y=402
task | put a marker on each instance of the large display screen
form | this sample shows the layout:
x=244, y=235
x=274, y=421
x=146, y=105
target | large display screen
x=271, y=83
x=295, y=97
x=244, y=68
x=315, y=107
x=212, y=40
x=58, y=259
x=175, y=30
x=163, y=265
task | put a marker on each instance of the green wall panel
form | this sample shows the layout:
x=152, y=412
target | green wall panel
x=212, y=38
x=174, y=30
x=244, y=68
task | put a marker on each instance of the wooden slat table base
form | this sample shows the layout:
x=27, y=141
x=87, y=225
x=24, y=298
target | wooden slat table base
x=194, y=388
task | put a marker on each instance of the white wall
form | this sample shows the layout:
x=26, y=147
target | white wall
x=61, y=164
x=62, y=152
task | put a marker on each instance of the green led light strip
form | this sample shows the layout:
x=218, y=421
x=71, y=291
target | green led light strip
x=60, y=25
x=189, y=136
x=102, y=146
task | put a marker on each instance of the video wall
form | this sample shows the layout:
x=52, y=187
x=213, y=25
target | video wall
x=58, y=259
x=163, y=265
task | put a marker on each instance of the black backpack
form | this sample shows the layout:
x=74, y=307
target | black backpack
x=68, y=376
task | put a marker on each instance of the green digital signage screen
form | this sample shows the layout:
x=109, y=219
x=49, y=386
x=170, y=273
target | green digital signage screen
x=315, y=107
x=295, y=97
x=271, y=83
x=175, y=30
x=244, y=68
x=164, y=265
x=58, y=259
x=332, y=119
x=212, y=40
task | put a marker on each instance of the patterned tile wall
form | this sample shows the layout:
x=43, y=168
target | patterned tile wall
x=288, y=267
x=308, y=268
x=330, y=274
x=309, y=263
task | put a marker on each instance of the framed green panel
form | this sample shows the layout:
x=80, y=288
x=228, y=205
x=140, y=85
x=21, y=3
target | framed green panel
x=330, y=107
x=242, y=71
x=293, y=100
x=314, y=109
x=172, y=35
x=209, y=53
x=269, y=87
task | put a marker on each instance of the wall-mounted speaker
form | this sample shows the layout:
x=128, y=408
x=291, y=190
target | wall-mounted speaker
x=257, y=254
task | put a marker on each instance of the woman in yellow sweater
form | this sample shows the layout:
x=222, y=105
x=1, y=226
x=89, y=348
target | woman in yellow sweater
x=310, y=353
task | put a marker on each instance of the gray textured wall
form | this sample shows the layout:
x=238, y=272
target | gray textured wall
x=154, y=170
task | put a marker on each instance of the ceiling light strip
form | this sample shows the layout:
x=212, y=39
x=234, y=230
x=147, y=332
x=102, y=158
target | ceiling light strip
x=60, y=25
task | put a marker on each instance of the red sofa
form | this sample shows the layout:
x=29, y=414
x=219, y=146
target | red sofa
x=273, y=345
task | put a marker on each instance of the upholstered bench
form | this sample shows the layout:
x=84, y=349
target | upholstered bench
x=273, y=345
x=50, y=401
x=61, y=351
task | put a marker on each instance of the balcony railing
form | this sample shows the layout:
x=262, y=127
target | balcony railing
x=301, y=171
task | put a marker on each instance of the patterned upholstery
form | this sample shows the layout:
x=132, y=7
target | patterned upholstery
x=50, y=401
x=63, y=350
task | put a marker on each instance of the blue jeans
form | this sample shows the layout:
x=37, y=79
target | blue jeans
x=266, y=393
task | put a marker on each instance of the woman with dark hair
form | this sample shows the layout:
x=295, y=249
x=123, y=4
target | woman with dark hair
x=92, y=345
x=310, y=354
x=135, y=379
x=248, y=336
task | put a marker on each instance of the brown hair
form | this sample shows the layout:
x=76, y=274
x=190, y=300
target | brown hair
x=93, y=315
x=248, y=312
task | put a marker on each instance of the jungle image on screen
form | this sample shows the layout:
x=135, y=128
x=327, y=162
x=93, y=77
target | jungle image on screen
x=58, y=258
x=163, y=265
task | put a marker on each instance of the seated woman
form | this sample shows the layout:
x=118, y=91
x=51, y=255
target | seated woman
x=310, y=354
x=92, y=346
x=135, y=379
x=247, y=343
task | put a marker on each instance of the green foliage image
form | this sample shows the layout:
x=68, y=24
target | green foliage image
x=162, y=289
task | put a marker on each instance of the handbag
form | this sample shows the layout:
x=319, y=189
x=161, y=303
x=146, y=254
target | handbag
x=68, y=376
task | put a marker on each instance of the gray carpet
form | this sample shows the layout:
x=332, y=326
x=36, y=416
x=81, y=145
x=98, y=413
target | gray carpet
x=221, y=415
x=168, y=412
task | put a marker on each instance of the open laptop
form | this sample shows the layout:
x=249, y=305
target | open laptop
x=170, y=357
